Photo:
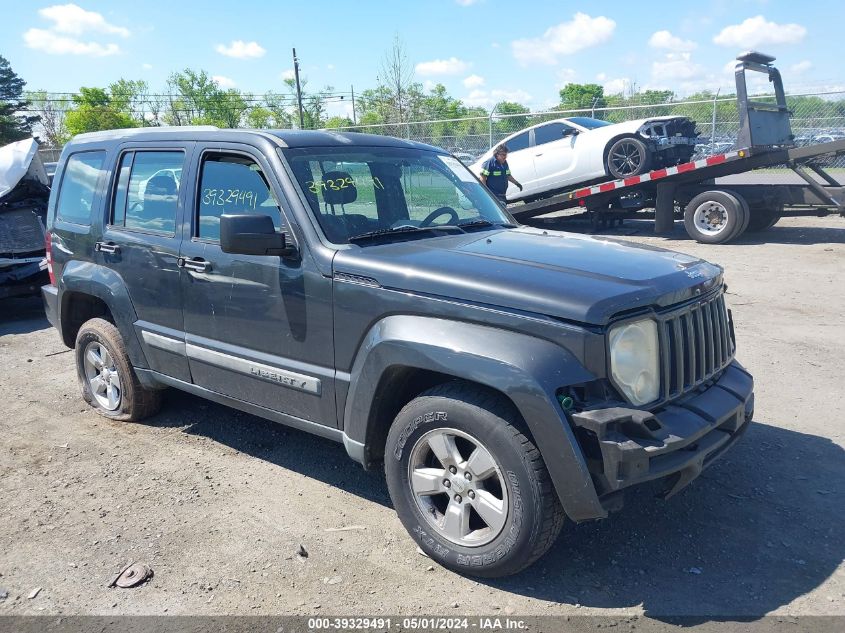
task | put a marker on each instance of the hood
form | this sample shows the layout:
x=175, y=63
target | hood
x=562, y=275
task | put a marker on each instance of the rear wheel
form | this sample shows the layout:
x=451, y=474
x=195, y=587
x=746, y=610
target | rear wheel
x=763, y=218
x=109, y=383
x=714, y=217
x=628, y=157
x=468, y=484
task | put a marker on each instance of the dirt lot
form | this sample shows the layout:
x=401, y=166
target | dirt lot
x=219, y=502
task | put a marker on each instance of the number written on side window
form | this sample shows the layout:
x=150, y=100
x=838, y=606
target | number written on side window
x=232, y=184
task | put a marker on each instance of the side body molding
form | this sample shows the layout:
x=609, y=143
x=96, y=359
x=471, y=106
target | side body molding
x=528, y=370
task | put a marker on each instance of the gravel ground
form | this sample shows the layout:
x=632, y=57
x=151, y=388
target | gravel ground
x=219, y=503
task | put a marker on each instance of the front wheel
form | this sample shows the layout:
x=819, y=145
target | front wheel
x=468, y=484
x=628, y=157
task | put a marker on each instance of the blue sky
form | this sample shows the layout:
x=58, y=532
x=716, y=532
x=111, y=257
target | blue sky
x=484, y=51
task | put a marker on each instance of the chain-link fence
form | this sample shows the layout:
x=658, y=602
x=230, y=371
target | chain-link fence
x=817, y=117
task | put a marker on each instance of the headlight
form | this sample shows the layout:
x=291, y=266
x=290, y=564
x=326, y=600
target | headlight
x=635, y=361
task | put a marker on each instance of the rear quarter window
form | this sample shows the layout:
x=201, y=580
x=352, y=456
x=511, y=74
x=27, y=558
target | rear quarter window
x=79, y=186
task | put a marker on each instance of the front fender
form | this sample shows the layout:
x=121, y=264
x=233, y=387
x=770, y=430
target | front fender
x=526, y=369
x=105, y=284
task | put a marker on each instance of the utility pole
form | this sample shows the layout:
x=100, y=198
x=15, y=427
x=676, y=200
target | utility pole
x=354, y=119
x=298, y=89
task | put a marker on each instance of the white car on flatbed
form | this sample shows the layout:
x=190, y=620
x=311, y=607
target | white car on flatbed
x=559, y=154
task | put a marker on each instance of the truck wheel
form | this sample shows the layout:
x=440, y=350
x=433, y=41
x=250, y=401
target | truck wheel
x=468, y=484
x=763, y=218
x=714, y=217
x=628, y=157
x=109, y=383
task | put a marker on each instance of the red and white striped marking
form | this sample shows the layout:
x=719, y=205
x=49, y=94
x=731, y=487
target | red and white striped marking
x=657, y=174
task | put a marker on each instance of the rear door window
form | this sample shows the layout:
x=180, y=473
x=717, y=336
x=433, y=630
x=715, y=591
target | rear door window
x=147, y=193
x=78, y=186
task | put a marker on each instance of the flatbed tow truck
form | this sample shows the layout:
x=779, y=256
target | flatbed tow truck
x=717, y=213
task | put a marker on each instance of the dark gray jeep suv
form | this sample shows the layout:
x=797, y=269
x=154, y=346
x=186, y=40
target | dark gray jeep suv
x=371, y=291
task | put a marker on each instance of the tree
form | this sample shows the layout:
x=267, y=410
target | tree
x=131, y=97
x=94, y=110
x=51, y=110
x=15, y=120
x=581, y=96
x=337, y=122
x=510, y=124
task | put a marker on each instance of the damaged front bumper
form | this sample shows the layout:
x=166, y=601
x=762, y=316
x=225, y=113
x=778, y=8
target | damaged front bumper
x=625, y=447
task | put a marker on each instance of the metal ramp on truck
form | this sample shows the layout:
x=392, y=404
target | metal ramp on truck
x=716, y=213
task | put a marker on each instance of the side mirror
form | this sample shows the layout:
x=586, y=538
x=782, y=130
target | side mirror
x=570, y=131
x=251, y=234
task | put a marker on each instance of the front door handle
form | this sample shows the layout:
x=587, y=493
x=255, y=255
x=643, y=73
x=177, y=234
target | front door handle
x=107, y=247
x=197, y=265
x=540, y=154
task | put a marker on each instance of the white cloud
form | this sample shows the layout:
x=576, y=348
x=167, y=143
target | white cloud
x=55, y=44
x=566, y=75
x=224, y=82
x=70, y=20
x=467, y=3
x=288, y=74
x=147, y=66
x=339, y=108
x=473, y=81
x=616, y=86
x=664, y=39
x=676, y=67
x=329, y=66
x=489, y=98
x=451, y=66
x=601, y=77
x=74, y=20
x=241, y=50
x=429, y=85
x=756, y=31
x=800, y=67
x=565, y=38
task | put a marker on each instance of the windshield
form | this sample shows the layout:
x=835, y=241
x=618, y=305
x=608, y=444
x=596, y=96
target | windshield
x=355, y=191
x=587, y=122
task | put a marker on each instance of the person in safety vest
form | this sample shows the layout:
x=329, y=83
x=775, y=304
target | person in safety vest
x=496, y=174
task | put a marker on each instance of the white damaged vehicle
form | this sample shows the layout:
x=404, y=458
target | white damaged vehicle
x=24, y=193
x=562, y=153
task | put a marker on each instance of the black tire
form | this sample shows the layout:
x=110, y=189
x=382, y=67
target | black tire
x=534, y=516
x=135, y=402
x=745, y=215
x=763, y=218
x=714, y=217
x=636, y=152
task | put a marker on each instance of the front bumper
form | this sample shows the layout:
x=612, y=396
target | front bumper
x=625, y=447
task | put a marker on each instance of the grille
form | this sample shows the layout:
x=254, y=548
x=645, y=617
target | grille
x=696, y=343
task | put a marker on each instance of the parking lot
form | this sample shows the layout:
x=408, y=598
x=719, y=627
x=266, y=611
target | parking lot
x=222, y=504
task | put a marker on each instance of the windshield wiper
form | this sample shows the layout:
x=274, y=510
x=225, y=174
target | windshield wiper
x=481, y=223
x=402, y=230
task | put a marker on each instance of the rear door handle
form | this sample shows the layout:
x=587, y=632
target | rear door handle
x=107, y=247
x=197, y=265
x=540, y=154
